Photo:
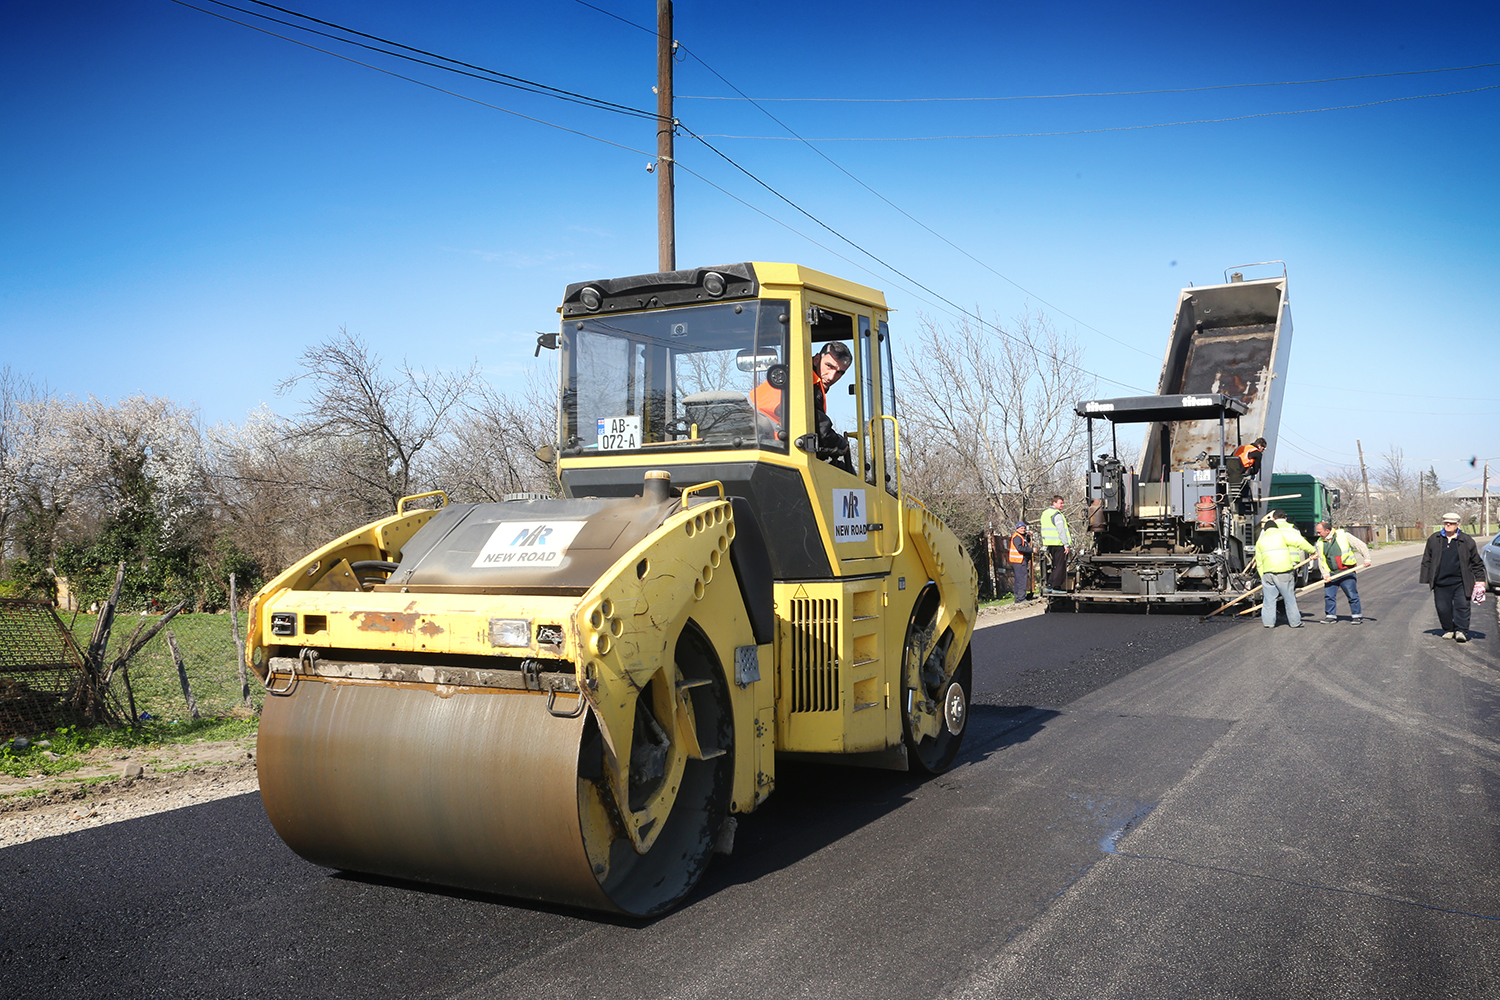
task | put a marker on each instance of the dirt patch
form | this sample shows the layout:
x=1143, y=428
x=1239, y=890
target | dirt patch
x=172, y=777
x=997, y=613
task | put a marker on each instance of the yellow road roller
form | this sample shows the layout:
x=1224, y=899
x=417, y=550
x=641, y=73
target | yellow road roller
x=568, y=699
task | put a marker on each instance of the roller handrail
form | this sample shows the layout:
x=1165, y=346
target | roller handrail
x=900, y=500
x=711, y=484
x=401, y=504
x=577, y=710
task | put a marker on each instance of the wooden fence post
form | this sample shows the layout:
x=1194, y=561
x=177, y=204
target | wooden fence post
x=187, y=690
x=239, y=640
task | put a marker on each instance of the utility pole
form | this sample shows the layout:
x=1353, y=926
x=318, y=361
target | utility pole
x=1484, y=501
x=1369, y=508
x=666, y=215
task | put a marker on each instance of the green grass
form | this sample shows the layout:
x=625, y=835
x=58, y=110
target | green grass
x=208, y=653
x=1002, y=602
x=71, y=743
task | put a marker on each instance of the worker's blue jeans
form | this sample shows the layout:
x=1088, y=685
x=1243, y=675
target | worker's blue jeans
x=1284, y=584
x=1331, y=596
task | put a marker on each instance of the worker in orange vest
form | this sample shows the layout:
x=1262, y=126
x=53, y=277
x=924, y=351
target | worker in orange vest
x=828, y=366
x=1249, y=455
x=1019, y=554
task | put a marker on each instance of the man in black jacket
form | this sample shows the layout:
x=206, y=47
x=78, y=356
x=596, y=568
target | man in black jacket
x=1451, y=567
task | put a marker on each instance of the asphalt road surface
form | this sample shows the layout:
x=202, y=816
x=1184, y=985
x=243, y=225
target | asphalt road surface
x=1145, y=807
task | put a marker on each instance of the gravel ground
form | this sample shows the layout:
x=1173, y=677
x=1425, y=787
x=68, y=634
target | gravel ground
x=173, y=777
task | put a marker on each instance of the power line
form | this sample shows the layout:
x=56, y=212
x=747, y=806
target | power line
x=867, y=187
x=901, y=210
x=1054, y=97
x=577, y=132
x=889, y=267
x=504, y=79
x=420, y=83
x=530, y=118
x=617, y=17
x=1347, y=459
x=1113, y=128
x=897, y=271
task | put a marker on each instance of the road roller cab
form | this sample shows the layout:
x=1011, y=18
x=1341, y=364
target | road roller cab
x=567, y=698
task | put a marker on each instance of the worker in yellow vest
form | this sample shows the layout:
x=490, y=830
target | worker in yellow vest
x=1059, y=541
x=1339, y=554
x=1277, y=556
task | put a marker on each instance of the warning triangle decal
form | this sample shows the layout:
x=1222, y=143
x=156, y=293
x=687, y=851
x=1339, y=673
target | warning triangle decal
x=800, y=595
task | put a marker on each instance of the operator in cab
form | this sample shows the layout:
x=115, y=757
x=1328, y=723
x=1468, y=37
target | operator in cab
x=828, y=366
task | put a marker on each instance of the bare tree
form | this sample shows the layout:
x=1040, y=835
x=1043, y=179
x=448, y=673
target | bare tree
x=491, y=451
x=1350, y=484
x=702, y=371
x=374, y=426
x=1397, y=485
x=996, y=405
x=932, y=472
x=270, y=498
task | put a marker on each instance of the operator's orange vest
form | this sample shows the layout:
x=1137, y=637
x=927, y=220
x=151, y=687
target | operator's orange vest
x=1015, y=551
x=767, y=398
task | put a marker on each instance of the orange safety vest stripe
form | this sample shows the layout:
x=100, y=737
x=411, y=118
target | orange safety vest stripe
x=1015, y=553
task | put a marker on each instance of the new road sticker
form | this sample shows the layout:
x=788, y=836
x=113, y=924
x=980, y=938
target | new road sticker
x=528, y=544
x=849, y=516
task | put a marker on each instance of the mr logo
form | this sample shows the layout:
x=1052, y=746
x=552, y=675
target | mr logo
x=536, y=536
x=852, y=499
x=527, y=544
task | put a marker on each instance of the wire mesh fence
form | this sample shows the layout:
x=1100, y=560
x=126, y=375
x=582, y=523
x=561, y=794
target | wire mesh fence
x=151, y=679
x=40, y=668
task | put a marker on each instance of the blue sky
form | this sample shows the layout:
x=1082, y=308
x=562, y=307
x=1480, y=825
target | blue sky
x=188, y=204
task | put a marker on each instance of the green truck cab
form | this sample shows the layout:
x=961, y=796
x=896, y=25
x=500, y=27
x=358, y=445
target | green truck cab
x=1305, y=499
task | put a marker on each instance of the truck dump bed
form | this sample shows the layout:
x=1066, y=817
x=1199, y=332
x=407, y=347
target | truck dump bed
x=1233, y=339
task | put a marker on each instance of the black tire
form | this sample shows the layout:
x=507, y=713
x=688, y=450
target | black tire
x=935, y=754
